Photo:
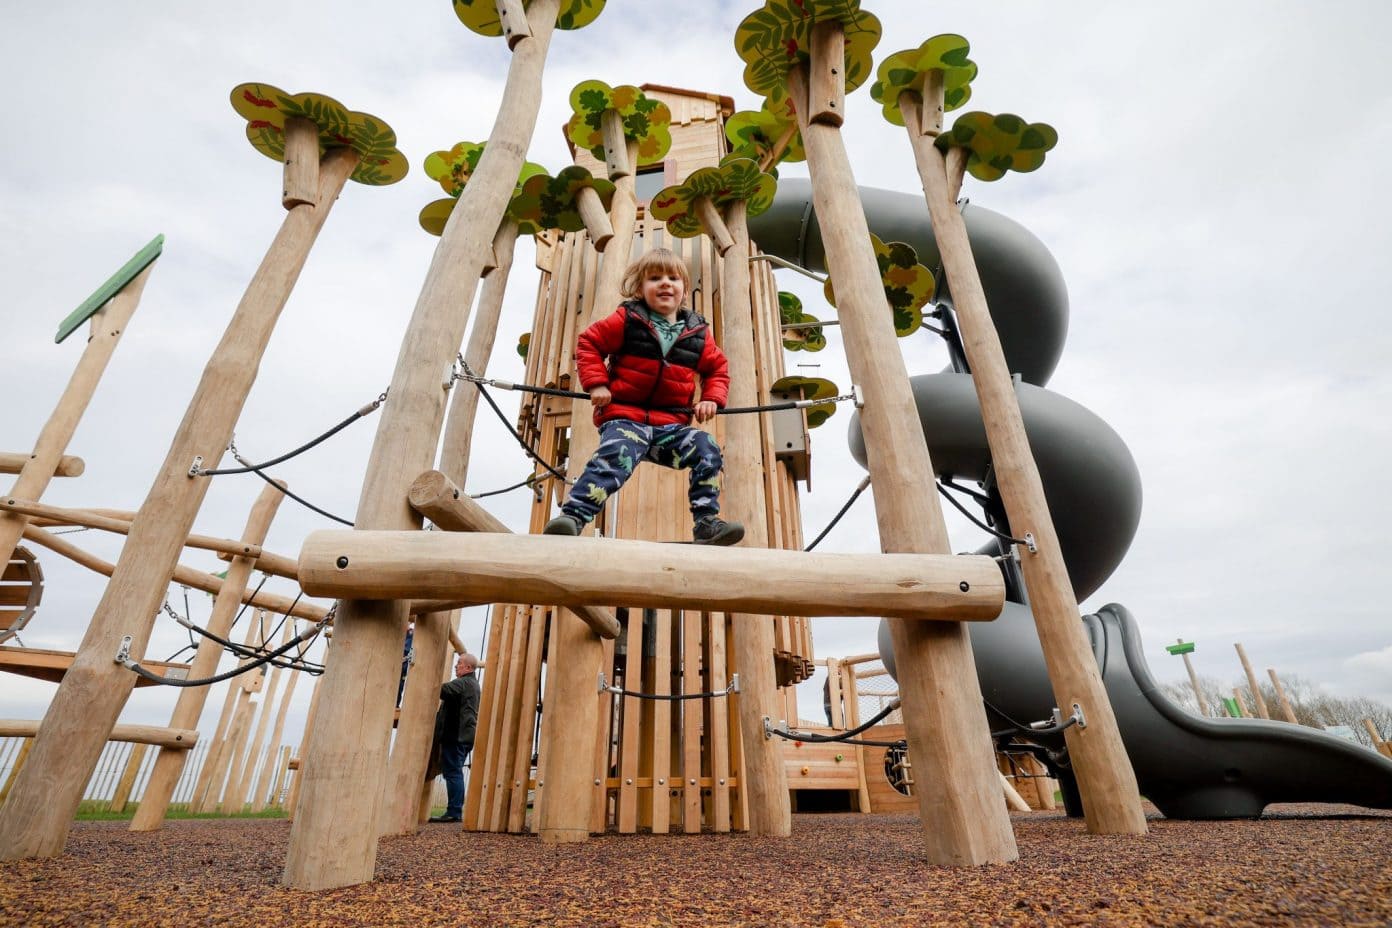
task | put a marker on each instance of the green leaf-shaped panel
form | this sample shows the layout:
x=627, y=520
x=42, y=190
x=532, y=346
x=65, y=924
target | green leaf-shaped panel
x=811, y=388
x=907, y=70
x=999, y=143
x=755, y=133
x=774, y=38
x=646, y=120
x=481, y=16
x=266, y=107
x=908, y=285
x=734, y=179
x=809, y=336
x=544, y=202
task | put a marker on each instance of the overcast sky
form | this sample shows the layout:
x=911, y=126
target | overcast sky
x=1217, y=202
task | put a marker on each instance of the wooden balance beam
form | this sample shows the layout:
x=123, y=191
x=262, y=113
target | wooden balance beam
x=561, y=571
x=179, y=739
x=43, y=664
x=12, y=462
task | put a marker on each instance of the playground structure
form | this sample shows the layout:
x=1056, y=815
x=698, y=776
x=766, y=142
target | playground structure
x=345, y=755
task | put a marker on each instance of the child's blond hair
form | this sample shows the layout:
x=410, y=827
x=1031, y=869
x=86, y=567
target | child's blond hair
x=659, y=259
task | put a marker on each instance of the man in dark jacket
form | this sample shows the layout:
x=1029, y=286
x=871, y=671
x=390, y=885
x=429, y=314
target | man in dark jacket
x=455, y=725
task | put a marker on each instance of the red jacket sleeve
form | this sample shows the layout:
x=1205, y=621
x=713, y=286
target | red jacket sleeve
x=715, y=373
x=603, y=338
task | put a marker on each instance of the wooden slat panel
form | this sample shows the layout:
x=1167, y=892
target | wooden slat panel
x=526, y=718
x=15, y=594
x=507, y=743
x=692, y=682
x=662, y=725
x=719, y=722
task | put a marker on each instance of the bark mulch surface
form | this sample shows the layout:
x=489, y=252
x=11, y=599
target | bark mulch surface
x=1300, y=865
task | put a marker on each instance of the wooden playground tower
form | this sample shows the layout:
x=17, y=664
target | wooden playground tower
x=741, y=602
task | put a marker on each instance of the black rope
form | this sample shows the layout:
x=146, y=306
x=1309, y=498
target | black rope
x=234, y=672
x=296, y=663
x=844, y=736
x=578, y=395
x=973, y=519
x=837, y=518
x=249, y=468
x=301, y=500
x=515, y=434
x=531, y=479
x=672, y=697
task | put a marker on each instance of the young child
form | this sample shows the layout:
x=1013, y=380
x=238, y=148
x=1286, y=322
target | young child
x=640, y=366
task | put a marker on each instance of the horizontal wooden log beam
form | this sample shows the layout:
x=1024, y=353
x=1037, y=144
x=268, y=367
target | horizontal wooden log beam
x=561, y=571
x=277, y=565
x=45, y=664
x=178, y=739
x=273, y=602
x=436, y=497
x=69, y=465
x=57, y=515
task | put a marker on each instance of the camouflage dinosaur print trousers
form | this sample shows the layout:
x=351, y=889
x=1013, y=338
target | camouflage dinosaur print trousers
x=624, y=444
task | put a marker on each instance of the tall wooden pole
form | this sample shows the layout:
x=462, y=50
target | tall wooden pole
x=244, y=772
x=274, y=762
x=1258, y=699
x=1111, y=798
x=333, y=841
x=34, y=822
x=1194, y=682
x=571, y=721
x=1286, y=709
x=415, y=727
x=208, y=790
x=765, y=778
x=169, y=765
x=964, y=821
x=1241, y=702
x=107, y=327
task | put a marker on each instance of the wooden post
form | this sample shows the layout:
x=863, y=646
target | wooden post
x=34, y=822
x=513, y=18
x=220, y=790
x=1111, y=798
x=108, y=325
x=618, y=159
x=1286, y=709
x=205, y=794
x=963, y=820
x=564, y=807
x=765, y=777
x=1241, y=702
x=826, y=82
x=1257, y=698
x=1374, y=734
x=269, y=770
x=1194, y=682
x=245, y=772
x=169, y=765
x=301, y=163
x=596, y=220
x=127, y=781
x=723, y=240
x=24, y=748
x=333, y=841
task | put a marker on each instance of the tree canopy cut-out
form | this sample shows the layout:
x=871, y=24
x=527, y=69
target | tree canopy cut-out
x=453, y=169
x=908, y=70
x=544, y=202
x=266, y=108
x=734, y=179
x=809, y=335
x=908, y=285
x=777, y=37
x=999, y=143
x=645, y=120
x=756, y=133
x=481, y=16
x=810, y=388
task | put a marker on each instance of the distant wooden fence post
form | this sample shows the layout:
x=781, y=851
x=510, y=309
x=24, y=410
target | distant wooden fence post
x=1257, y=698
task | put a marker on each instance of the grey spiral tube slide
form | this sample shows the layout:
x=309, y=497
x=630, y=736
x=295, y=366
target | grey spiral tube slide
x=1190, y=767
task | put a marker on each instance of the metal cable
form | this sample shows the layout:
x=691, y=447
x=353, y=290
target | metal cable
x=837, y=518
x=248, y=468
x=209, y=681
x=973, y=519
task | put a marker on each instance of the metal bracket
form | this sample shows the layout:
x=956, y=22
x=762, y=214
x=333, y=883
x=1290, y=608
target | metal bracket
x=734, y=686
x=603, y=683
x=1077, y=718
x=769, y=727
x=1030, y=543
x=196, y=467
x=857, y=398
x=123, y=652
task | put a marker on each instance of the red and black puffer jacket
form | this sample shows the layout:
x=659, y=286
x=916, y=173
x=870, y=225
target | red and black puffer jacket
x=622, y=351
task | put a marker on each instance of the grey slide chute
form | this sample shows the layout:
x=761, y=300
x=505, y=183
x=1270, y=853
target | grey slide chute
x=1190, y=767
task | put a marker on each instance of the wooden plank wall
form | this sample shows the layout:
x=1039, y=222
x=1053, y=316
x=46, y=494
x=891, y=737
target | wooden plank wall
x=660, y=766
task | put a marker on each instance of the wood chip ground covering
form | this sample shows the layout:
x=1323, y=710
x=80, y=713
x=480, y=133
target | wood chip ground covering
x=1299, y=865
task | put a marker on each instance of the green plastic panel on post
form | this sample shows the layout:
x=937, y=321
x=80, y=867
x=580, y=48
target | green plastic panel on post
x=106, y=291
x=1233, y=706
x=1184, y=647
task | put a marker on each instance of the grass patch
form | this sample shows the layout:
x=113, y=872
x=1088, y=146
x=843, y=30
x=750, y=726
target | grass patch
x=97, y=810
